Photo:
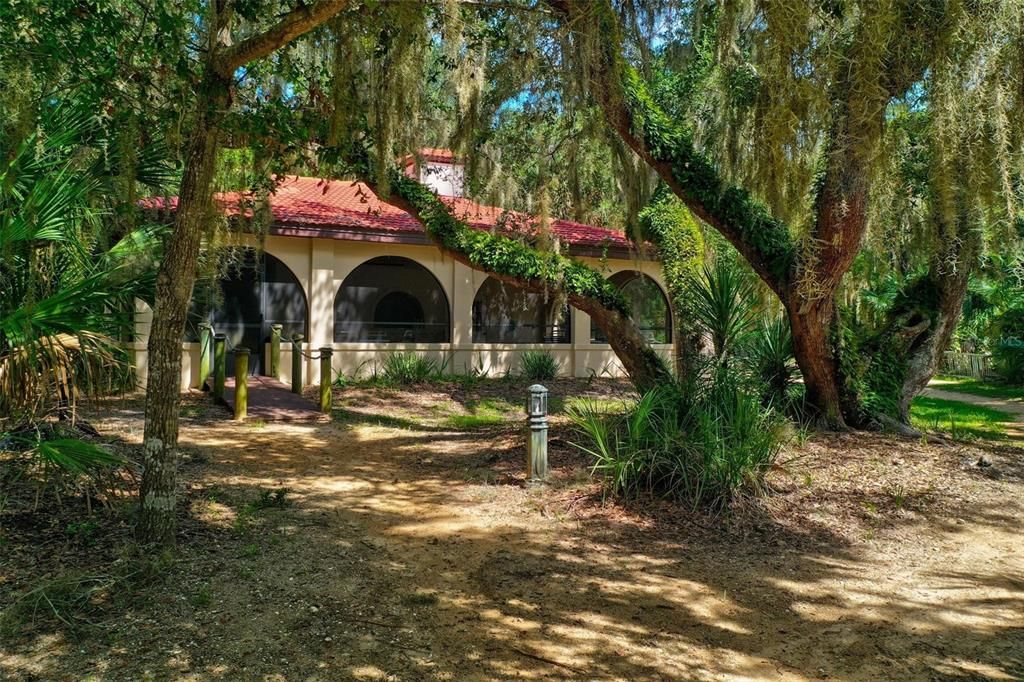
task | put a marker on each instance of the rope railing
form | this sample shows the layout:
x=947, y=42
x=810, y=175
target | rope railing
x=222, y=345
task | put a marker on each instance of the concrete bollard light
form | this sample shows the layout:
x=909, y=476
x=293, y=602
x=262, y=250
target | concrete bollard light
x=275, y=351
x=297, y=364
x=241, y=382
x=220, y=352
x=537, y=445
x=325, y=379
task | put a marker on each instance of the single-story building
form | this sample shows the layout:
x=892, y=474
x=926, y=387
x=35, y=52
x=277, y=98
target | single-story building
x=350, y=271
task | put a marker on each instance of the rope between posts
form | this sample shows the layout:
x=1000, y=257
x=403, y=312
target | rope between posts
x=309, y=355
x=230, y=347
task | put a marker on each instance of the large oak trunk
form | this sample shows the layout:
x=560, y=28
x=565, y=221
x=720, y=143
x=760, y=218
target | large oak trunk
x=177, y=273
x=175, y=280
x=811, y=347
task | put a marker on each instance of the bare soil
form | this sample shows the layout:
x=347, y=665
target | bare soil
x=404, y=549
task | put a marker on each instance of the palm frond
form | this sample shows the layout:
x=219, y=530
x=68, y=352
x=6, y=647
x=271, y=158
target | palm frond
x=723, y=300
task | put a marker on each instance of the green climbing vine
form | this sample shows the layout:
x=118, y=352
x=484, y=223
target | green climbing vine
x=502, y=255
x=734, y=207
x=670, y=226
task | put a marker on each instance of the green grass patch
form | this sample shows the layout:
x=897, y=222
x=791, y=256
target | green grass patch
x=961, y=421
x=558, y=405
x=419, y=599
x=395, y=421
x=468, y=422
x=980, y=388
x=484, y=413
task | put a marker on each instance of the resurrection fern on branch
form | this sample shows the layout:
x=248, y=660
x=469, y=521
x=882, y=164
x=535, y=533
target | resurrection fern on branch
x=502, y=255
x=538, y=270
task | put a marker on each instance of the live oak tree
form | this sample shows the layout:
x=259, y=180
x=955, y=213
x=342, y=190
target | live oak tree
x=795, y=199
x=233, y=37
x=808, y=89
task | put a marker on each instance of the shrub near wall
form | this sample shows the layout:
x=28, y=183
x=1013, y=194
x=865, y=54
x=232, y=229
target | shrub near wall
x=539, y=366
x=404, y=369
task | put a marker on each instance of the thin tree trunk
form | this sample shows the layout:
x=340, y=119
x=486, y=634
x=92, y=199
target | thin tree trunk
x=177, y=273
x=925, y=352
x=175, y=280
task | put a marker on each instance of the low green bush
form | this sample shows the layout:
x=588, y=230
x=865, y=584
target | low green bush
x=706, y=442
x=1008, y=362
x=539, y=366
x=405, y=369
x=770, y=357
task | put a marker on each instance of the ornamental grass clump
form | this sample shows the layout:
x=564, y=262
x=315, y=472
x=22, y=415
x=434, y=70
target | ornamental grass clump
x=405, y=369
x=539, y=366
x=706, y=442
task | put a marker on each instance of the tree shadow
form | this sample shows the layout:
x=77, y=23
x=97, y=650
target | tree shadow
x=391, y=561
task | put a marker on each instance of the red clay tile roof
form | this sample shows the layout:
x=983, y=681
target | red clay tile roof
x=437, y=155
x=344, y=205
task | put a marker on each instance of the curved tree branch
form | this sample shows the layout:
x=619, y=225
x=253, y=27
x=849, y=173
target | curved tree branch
x=536, y=271
x=668, y=149
x=295, y=23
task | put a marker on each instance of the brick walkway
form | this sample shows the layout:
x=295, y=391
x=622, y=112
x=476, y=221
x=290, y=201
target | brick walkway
x=273, y=401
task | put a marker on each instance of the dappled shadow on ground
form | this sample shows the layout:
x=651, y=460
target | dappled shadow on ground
x=420, y=554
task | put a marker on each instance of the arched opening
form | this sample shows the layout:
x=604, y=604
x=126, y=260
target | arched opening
x=651, y=312
x=506, y=314
x=391, y=300
x=256, y=291
x=399, y=307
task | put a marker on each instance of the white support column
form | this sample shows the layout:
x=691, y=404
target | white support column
x=462, y=292
x=580, y=338
x=321, y=300
x=139, y=352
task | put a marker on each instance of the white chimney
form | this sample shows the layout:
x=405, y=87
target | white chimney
x=444, y=177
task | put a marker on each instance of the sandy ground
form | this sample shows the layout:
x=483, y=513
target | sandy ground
x=406, y=551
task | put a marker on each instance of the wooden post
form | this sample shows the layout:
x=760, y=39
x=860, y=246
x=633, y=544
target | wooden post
x=241, y=382
x=220, y=343
x=205, y=352
x=275, y=351
x=325, y=379
x=297, y=364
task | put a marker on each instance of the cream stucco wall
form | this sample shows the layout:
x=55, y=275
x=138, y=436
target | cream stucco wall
x=321, y=266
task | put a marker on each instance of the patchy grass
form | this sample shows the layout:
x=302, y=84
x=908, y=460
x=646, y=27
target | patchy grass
x=559, y=405
x=980, y=388
x=961, y=421
x=469, y=422
x=482, y=414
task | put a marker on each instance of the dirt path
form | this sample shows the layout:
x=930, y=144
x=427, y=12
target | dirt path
x=411, y=554
x=1014, y=407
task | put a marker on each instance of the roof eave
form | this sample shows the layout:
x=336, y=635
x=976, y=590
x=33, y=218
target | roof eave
x=367, y=234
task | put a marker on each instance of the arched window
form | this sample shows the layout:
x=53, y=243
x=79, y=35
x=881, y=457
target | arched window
x=399, y=307
x=391, y=300
x=650, y=308
x=505, y=314
x=256, y=291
